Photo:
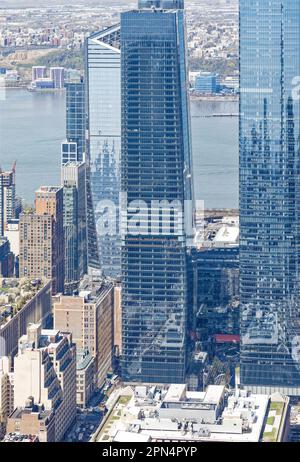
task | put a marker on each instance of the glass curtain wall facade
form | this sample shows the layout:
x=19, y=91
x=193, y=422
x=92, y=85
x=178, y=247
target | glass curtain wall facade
x=73, y=150
x=155, y=167
x=7, y=198
x=76, y=115
x=74, y=185
x=269, y=194
x=104, y=128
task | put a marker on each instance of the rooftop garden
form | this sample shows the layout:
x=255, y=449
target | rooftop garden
x=14, y=294
x=113, y=417
x=278, y=407
x=273, y=422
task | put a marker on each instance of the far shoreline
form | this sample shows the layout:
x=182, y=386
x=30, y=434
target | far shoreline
x=210, y=98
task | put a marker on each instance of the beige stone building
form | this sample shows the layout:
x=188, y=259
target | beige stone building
x=32, y=421
x=45, y=372
x=89, y=316
x=84, y=378
x=118, y=320
x=6, y=392
x=42, y=238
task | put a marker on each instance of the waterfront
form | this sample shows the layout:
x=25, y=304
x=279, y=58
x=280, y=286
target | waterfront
x=215, y=153
x=32, y=126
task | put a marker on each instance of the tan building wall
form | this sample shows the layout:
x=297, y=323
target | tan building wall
x=118, y=320
x=47, y=372
x=85, y=381
x=33, y=423
x=105, y=336
x=92, y=326
x=6, y=391
x=69, y=317
x=42, y=239
x=36, y=245
x=49, y=200
x=46, y=201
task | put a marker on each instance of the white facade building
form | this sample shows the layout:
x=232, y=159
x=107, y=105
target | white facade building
x=45, y=371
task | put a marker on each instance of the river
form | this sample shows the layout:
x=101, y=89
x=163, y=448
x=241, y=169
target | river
x=32, y=126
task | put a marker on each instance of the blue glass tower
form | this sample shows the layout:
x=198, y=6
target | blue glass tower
x=269, y=194
x=75, y=232
x=76, y=114
x=73, y=150
x=103, y=84
x=155, y=167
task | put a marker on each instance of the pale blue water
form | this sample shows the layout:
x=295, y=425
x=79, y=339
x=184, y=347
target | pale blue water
x=32, y=126
x=215, y=154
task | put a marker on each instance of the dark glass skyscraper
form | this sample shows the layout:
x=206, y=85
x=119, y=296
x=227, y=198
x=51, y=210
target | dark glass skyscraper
x=269, y=194
x=156, y=163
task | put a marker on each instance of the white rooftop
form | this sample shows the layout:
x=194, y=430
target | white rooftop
x=49, y=332
x=214, y=394
x=242, y=420
x=227, y=234
x=129, y=437
x=175, y=393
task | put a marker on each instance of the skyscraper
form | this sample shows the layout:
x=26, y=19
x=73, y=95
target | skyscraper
x=45, y=372
x=76, y=114
x=89, y=316
x=156, y=175
x=269, y=195
x=74, y=186
x=104, y=142
x=7, y=197
x=42, y=238
x=73, y=149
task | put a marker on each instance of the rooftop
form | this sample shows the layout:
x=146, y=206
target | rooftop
x=92, y=288
x=140, y=414
x=15, y=294
x=128, y=437
x=275, y=417
x=40, y=412
x=217, y=230
x=214, y=394
x=48, y=189
x=83, y=359
x=175, y=393
x=19, y=438
x=227, y=234
x=38, y=338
